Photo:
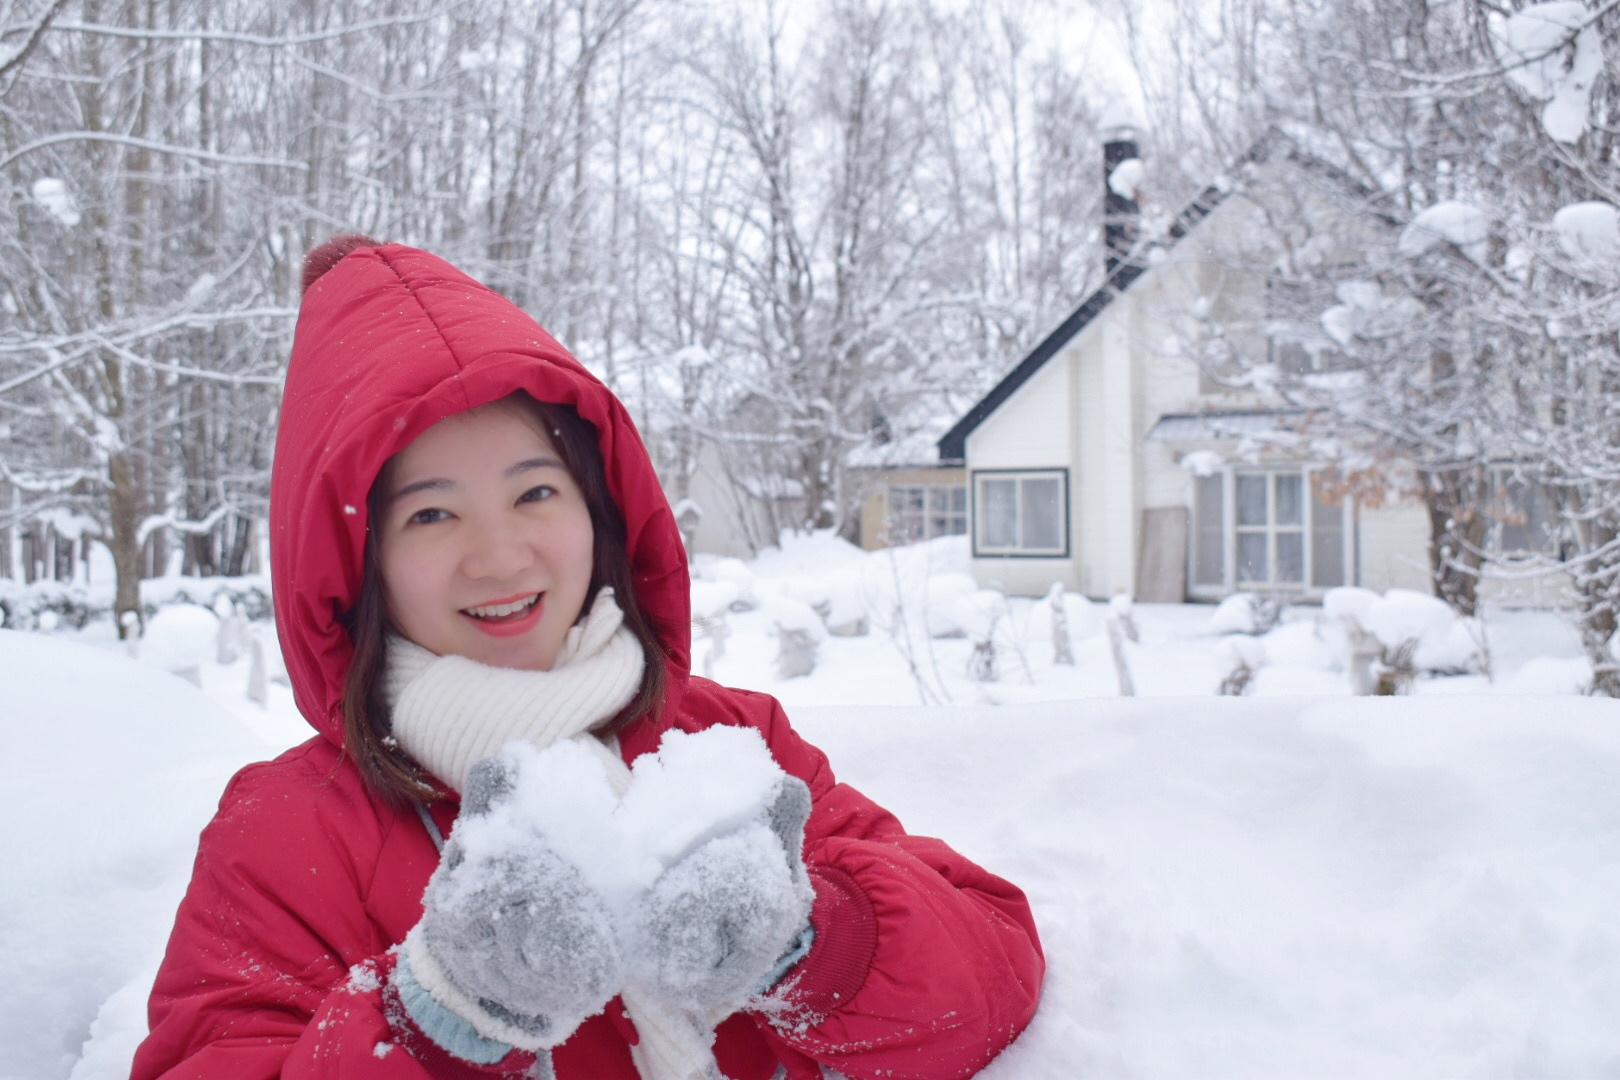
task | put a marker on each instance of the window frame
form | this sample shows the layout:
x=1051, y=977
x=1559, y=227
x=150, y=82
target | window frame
x=1307, y=529
x=976, y=524
x=927, y=514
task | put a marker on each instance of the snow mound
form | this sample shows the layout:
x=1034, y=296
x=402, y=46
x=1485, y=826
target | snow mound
x=114, y=776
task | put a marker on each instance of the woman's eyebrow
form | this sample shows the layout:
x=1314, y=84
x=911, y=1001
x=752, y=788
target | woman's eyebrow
x=421, y=485
x=529, y=464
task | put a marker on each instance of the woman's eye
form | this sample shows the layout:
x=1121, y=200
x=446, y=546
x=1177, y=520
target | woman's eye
x=427, y=517
x=536, y=494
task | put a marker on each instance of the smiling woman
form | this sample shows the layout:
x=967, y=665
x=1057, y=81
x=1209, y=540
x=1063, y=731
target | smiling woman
x=498, y=648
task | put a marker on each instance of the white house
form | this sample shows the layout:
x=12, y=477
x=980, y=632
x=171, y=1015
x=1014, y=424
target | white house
x=1110, y=461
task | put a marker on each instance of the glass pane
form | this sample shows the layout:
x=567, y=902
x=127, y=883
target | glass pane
x=1290, y=499
x=905, y=498
x=1209, y=554
x=1042, y=514
x=998, y=513
x=958, y=499
x=1251, y=558
x=1327, y=543
x=1291, y=557
x=1251, y=498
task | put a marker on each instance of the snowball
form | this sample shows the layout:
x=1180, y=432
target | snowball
x=694, y=788
x=53, y=195
x=1452, y=222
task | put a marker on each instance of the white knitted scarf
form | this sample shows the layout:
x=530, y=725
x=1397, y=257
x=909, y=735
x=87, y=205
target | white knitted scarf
x=450, y=712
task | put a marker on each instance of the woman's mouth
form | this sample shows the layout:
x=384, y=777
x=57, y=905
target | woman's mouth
x=504, y=618
x=503, y=610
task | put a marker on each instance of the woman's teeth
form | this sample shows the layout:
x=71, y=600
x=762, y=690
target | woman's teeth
x=500, y=611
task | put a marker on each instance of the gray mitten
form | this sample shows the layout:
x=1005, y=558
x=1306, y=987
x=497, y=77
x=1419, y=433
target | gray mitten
x=716, y=926
x=513, y=940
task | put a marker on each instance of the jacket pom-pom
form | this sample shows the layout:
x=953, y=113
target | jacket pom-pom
x=325, y=256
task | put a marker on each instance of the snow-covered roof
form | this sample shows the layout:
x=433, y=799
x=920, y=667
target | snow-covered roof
x=1238, y=424
x=953, y=445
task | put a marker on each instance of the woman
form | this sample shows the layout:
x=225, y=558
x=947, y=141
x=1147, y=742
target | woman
x=470, y=546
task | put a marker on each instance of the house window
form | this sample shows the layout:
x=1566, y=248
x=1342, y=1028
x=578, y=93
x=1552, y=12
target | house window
x=1021, y=513
x=1266, y=530
x=925, y=511
x=1523, y=519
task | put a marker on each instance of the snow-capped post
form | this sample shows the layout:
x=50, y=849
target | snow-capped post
x=1120, y=610
x=1116, y=643
x=979, y=613
x=1062, y=650
x=258, y=685
x=799, y=634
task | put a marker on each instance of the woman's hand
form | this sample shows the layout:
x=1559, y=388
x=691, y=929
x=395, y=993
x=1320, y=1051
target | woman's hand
x=720, y=925
x=513, y=939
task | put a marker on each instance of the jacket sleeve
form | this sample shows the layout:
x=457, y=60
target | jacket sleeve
x=274, y=968
x=924, y=965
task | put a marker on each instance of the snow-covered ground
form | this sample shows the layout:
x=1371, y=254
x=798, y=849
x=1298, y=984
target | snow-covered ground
x=1292, y=883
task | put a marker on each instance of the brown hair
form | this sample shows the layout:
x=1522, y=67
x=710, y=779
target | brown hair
x=367, y=723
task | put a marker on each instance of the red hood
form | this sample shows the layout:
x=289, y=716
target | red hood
x=390, y=341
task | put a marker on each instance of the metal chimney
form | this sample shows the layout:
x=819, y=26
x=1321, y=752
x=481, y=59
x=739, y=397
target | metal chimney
x=1122, y=216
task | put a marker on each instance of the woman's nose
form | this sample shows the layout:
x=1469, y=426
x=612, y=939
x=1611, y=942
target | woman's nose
x=497, y=550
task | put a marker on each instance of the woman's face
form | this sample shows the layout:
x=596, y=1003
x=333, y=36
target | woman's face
x=486, y=540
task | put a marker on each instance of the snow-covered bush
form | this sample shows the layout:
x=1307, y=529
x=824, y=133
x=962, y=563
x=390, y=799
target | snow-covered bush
x=66, y=604
x=249, y=595
x=799, y=634
x=1390, y=639
x=1246, y=613
x=180, y=639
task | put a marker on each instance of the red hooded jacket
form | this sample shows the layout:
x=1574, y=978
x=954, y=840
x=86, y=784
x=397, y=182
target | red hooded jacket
x=924, y=965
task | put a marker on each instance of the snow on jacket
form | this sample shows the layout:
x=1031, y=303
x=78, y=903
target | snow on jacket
x=924, y=965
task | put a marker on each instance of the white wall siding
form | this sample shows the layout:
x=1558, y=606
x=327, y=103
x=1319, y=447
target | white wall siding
x=1394, y=546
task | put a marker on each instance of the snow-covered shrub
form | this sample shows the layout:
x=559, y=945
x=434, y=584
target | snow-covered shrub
x=180, y=639
x=1242, y=656
x=799, y=635
x=1390, y=639
x=249, y=595
x=846, y=612
x=1246, y=613
x=22, y=607
x=734, y=572
x=978, y=614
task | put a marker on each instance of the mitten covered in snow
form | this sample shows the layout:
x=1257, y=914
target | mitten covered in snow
x=721, y=924
x=515, y=947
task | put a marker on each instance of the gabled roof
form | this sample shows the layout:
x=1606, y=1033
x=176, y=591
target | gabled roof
x=953, y=445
